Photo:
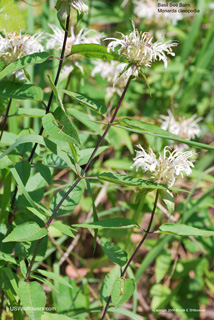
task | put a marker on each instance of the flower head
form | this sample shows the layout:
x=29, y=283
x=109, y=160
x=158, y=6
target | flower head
x=163, y=170
x=13, y=46
x=137, y=48
x=184, y=128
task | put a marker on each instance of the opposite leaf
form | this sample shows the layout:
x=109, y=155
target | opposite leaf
x=32, y=298
x=184, y=230
x=29, y=231
x=87, y=101
x=122, y=290
x=117, y=223
x=95, y=51
x=14, y=90
x=113, y=252
x=59, y=127
x=24, y=62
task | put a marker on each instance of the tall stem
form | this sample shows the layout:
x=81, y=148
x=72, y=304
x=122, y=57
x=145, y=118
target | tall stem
x=105, y=309
x=5, y=118
x=93, y=153
x=55, y=82
x=50, y=98
x=84, y=171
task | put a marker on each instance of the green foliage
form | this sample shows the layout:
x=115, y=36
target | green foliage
x=80, y=229
x=95, y=51
x=122, y=291
x=20, y=91
x=34, y=301
x=126, y=180
x=184, y=230
x=116, y=223
x=59, y=127
x=24, y=62
x=29, y=231
x=87, y=102
x=113, y=252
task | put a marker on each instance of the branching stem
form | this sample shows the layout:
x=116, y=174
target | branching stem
x=84, y=171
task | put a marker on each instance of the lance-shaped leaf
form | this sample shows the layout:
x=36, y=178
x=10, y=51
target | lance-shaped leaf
x=125, y=180
x=63, y=228
x=55, y=277
x=184, y=230
x=122, y=290
x=33, y=299
x=70, y=202
x=113, y=252
x=168, y=200
x=45, y=142
x=56, y=93
x=14, y=90
x=116, y=223
x=24, y=62
x=87, y=101
x=29, y=231
x=59, y=127
x=151, y=129
x=95, y=51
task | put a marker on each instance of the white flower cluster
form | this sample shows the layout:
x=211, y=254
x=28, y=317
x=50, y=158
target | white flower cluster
x=184, y=128
x=163, y=170
x=13, y=46
x=149, y=9
x=137, y=48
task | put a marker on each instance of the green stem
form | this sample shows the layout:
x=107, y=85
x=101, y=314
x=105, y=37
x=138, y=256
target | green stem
x=5, y=118
x=47, y=108
x=105, y=309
